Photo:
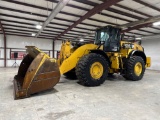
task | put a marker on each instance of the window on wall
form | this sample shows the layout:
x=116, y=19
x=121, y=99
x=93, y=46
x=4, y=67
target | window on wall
x=17, y=54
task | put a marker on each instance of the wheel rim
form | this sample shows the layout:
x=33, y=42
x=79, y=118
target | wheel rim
x=96, y=70
x=138, y=68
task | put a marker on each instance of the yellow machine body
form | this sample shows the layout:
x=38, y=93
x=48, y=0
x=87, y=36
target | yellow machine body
x=69, y=56
x=39, y=72
x=90, y=63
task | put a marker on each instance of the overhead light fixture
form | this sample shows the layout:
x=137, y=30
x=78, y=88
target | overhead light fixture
x=38, y=26
x=81, y=40
x=138, y=38
x=33, y=34
x=156, y=23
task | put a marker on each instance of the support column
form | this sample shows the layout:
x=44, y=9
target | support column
x=5, y=58
x=4, y=38
x=53, y=49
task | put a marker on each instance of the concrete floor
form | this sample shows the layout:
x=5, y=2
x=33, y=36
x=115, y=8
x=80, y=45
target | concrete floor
x=116, y=99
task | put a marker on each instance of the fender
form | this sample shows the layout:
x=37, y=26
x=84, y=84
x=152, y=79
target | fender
x=101, y=52
x=138, y=53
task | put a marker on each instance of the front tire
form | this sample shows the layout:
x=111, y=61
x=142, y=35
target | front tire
x=92, y=69
x=135, y=68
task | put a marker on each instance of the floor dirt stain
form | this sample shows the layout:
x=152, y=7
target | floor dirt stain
x=58, y=115
x=40, y=109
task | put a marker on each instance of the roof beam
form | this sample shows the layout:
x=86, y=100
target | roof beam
x=110, y=9
x=81, y=1
x=14, y=21
x=29, y=25
x=53, y=23
x=31, y=29
x=143, y=21
x=21, y=32
x=13, y=29
x=94, y=4
x=18, y=17
x=104, y=14
x=65, y=13
x=36, y=14
x=133, y=10
x=136, y=27
x=140, y=24
x=43, y=8
x=25, y=35
x=147, y=4
x=61, y=4
x=39, y=7
x=16, y=34
x=120, y=12
x=135, y=33
x=136, y=11
x=101, y=21
x=146, y=31
x=93, y=11
x=29, y=13
x=71, y=5
x=116, y=11
x=87, y=2
x=124, y=13
x=20, y=26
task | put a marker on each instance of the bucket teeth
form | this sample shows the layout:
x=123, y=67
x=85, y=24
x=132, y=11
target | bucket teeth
x=36, y=73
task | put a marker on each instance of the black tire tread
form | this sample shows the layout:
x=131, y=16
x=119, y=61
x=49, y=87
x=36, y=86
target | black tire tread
x=81, y=72
x=129, y=68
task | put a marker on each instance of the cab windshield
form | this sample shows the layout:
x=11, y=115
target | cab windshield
x=101, y=36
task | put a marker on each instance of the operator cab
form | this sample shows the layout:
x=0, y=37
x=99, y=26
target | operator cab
x=109, y=37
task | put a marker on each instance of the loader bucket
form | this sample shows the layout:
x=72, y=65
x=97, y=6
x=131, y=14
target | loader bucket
x=37, y=72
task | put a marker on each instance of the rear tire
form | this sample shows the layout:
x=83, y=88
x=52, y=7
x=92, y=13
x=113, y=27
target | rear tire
x=131, y=73
x=84, y=69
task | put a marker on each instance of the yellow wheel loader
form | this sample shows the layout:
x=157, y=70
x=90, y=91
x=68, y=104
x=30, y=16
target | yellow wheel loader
x=90, y=63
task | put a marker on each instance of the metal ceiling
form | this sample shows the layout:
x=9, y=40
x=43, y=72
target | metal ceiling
x=77, y=19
